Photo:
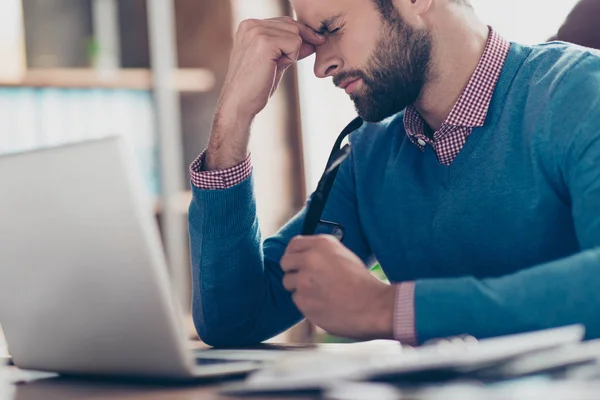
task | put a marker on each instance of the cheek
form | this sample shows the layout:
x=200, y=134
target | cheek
x=357, y=49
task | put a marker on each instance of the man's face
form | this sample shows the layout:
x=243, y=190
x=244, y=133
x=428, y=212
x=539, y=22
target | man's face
x=386, y=59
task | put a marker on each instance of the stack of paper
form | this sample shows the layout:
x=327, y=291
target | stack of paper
x=497, y=358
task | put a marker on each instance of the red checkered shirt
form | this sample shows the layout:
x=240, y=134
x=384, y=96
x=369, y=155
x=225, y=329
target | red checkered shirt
x=219, y=179
x=469, y=112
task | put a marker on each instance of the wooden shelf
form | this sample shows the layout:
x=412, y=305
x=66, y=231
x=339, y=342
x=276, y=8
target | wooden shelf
x=183, y=202
x=184, y=80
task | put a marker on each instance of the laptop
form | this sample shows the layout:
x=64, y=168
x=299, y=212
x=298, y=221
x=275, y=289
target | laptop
x=84, y=285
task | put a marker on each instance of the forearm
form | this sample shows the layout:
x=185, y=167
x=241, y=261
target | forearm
x=237, y=295
x=229, y=139
x=559, y=293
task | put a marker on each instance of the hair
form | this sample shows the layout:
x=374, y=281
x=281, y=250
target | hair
x=386, y=7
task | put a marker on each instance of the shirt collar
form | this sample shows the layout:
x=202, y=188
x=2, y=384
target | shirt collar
x=472, y=107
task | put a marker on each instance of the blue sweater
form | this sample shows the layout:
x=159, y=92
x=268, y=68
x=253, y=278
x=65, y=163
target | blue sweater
x=502, y=241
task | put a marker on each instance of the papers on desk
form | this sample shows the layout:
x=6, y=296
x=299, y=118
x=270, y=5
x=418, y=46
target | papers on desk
x=281, y=353
x=526, y=389
x=446, y=359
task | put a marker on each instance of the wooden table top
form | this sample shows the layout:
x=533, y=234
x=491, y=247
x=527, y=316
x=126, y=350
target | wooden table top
x=20, y=385
x=16, y=385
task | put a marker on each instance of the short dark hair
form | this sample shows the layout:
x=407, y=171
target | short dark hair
x=387, y=6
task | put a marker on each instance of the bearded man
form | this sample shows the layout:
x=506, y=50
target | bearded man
x=475, y=182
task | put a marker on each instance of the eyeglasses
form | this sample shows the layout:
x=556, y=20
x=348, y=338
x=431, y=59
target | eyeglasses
x=317, y=201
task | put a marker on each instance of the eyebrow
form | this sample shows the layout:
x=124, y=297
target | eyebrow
x=327, y=23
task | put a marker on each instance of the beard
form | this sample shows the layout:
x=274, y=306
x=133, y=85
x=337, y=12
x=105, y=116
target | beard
x=395, y=73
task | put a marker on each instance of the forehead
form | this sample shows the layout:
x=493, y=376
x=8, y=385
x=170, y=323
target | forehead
x=313, y=12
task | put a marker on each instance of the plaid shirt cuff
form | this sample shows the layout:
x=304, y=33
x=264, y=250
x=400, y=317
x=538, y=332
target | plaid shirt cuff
x=220, y=179
x=404, y=314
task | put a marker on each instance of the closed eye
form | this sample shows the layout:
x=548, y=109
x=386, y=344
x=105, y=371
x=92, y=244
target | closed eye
x=326, y=24
x=327, y=32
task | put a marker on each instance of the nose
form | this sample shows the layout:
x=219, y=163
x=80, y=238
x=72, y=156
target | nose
x=327, y=61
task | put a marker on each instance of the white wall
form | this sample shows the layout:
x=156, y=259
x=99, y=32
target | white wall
x=524, y=21
x=325, y=110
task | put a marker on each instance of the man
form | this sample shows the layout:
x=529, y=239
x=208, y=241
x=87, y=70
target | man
x=479, y=195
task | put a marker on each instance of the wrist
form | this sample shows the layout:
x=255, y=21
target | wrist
x=229, y=139
x=380, y=316
x=230, y=111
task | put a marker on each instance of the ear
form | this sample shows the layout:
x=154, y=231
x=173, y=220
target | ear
x=413, y=7
x=420, y=7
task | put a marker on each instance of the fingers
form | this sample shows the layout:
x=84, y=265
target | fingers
x=298, y=282
x=281, y=45
x=307, y=252
x=306, y=50
x=310, y=39
x=290, y=282
x=300, y=244
x=291, y=263
x=307, y=34
x=297, y=41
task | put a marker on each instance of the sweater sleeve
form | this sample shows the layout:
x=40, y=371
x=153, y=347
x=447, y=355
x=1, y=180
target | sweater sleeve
x=238, y=297
x=558, y=293
x=579, y=104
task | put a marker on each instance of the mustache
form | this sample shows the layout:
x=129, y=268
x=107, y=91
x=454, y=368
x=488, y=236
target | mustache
x=344, y=76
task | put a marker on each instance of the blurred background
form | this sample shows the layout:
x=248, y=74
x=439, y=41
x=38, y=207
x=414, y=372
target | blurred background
x=151, y=70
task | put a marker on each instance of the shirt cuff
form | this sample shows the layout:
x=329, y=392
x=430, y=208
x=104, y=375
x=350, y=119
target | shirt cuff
x=404, y=314
x=219, y=179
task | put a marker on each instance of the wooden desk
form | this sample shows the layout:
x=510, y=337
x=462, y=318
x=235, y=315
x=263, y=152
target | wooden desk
x=71, y=389
x=58, y=388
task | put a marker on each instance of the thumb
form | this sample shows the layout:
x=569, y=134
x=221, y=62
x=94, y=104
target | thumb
x=306, y=50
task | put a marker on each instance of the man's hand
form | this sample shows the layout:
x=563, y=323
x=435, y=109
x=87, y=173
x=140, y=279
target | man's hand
x=262, y=51
x=332, y=287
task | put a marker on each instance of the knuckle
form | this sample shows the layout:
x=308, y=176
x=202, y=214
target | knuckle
x=291, y=244
x=286, y=282
x=284, y=262
x=329, y=239
x=321, y=241
x=247, y=24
